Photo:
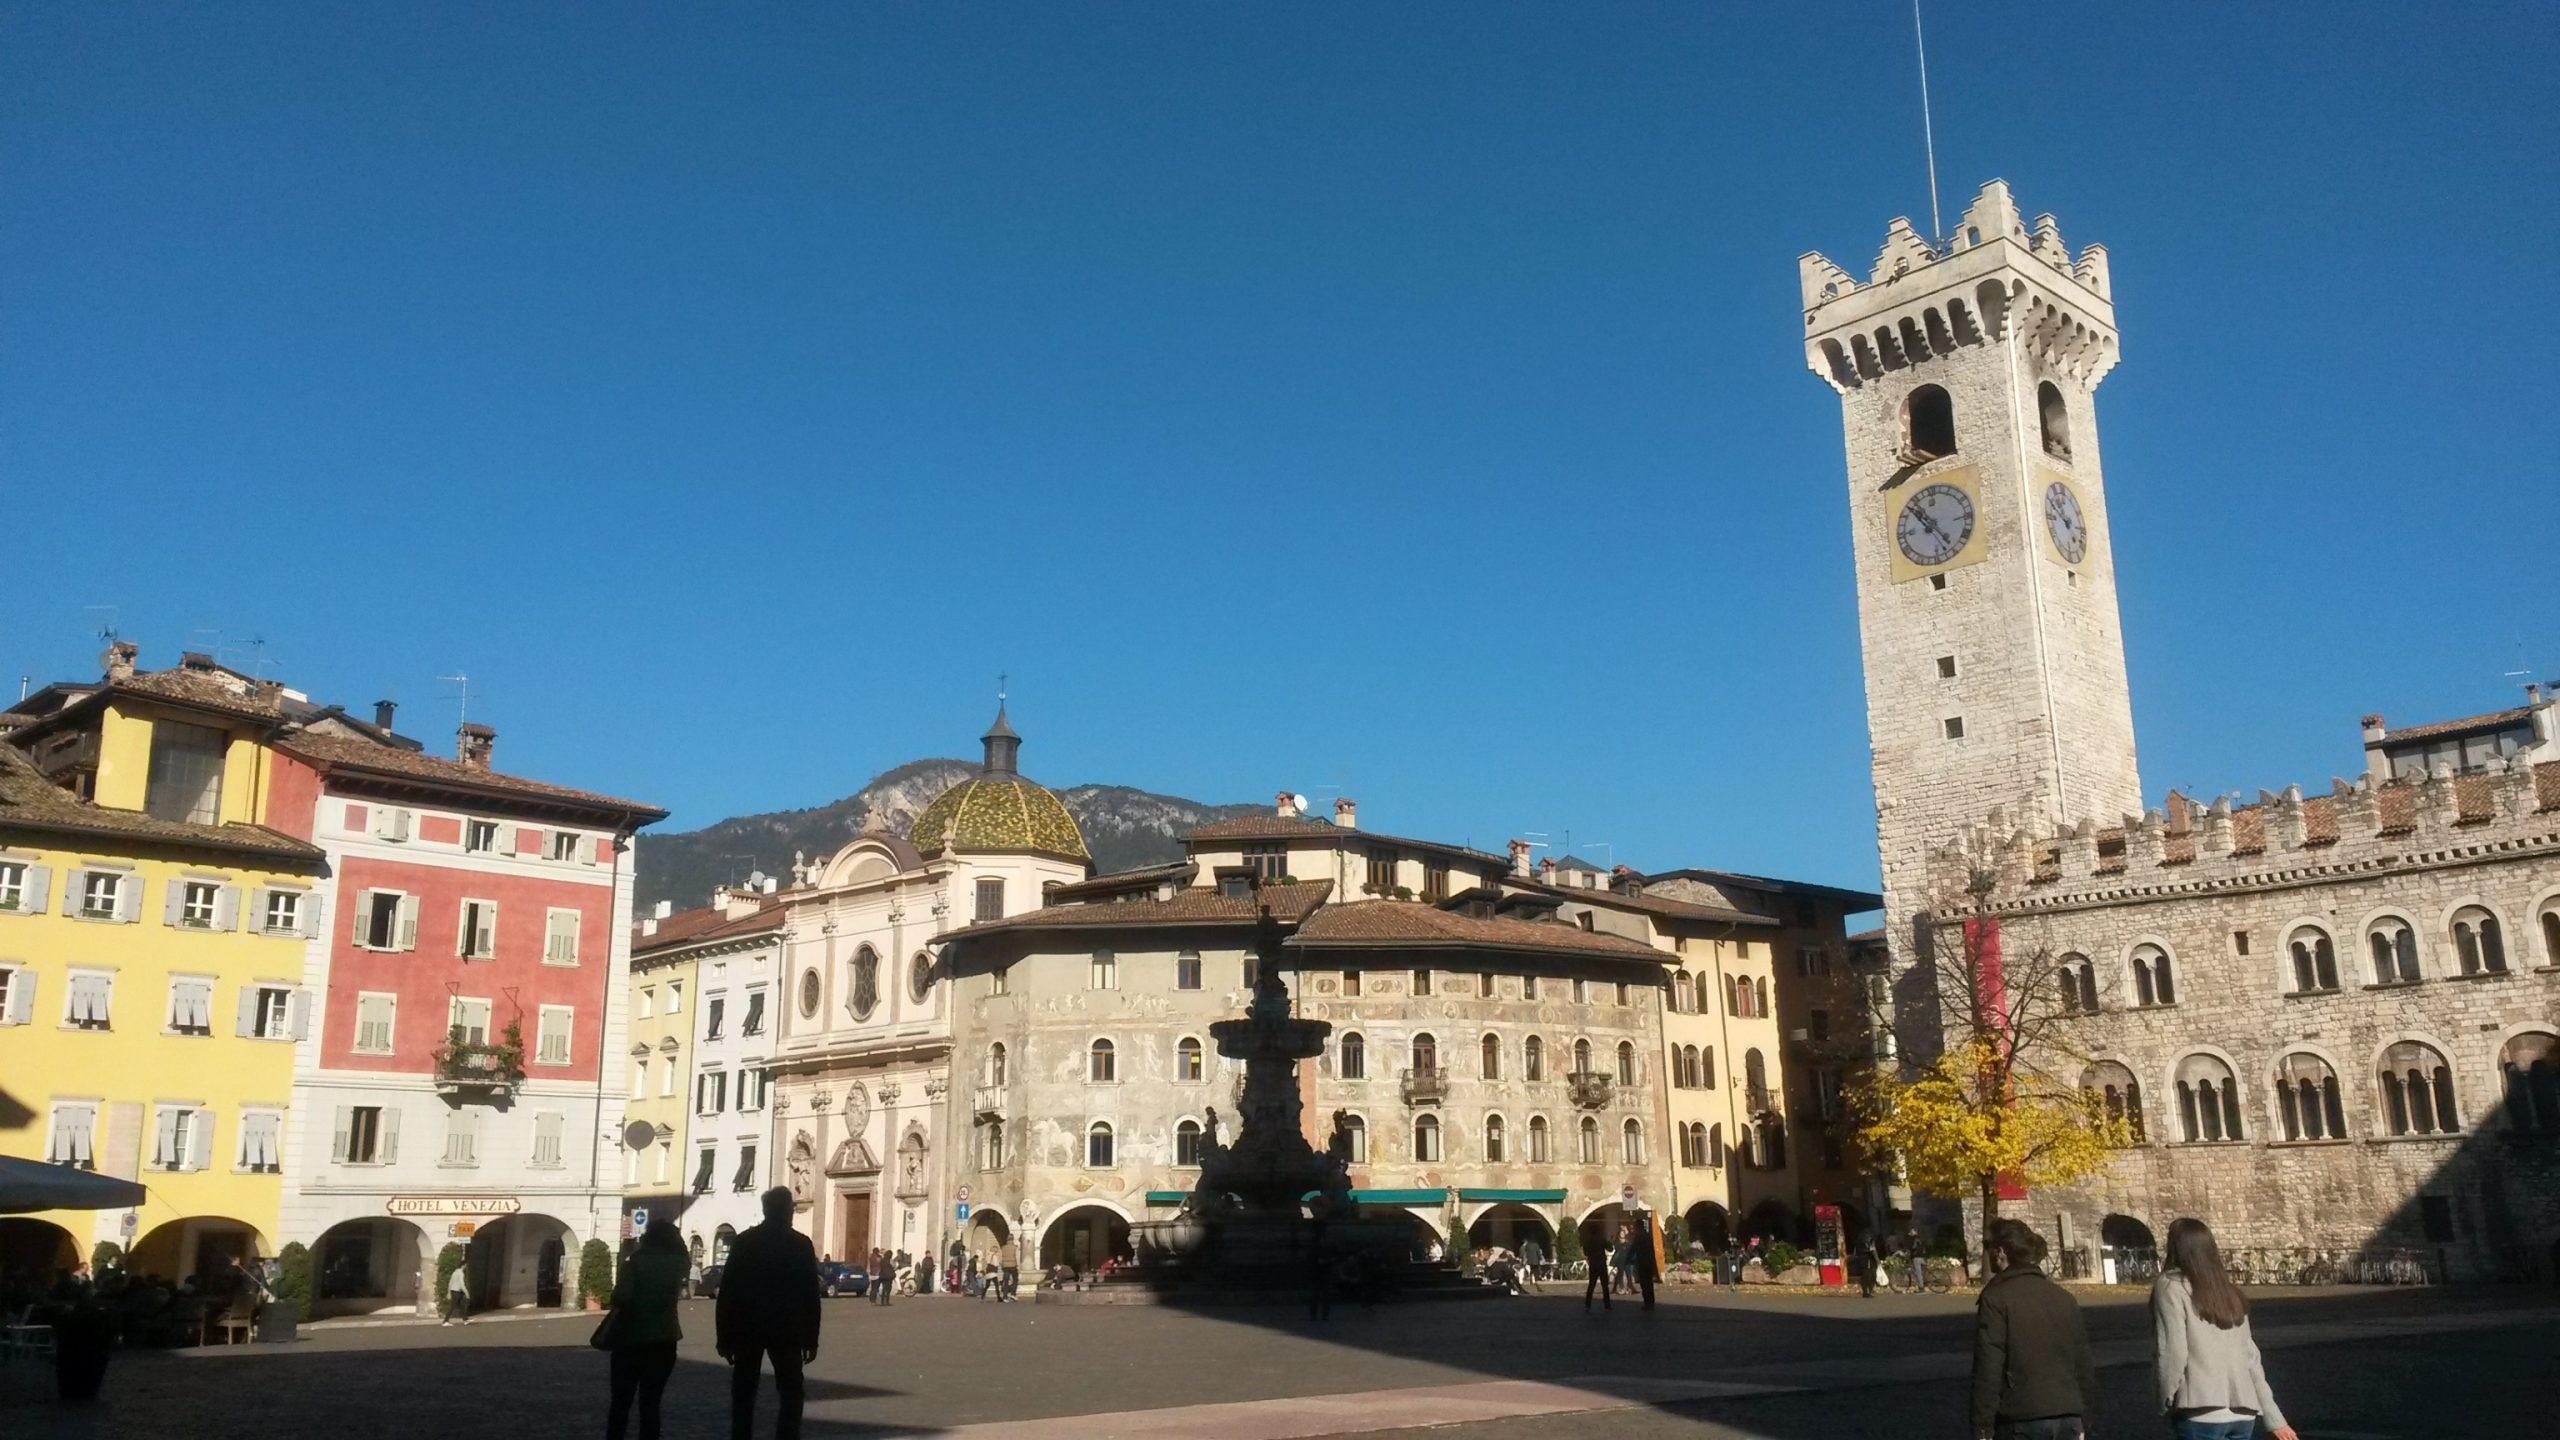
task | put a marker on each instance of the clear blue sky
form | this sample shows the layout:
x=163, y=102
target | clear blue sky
x=1400, y=400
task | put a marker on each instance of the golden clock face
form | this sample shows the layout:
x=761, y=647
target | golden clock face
x=1934, y=525
x=2065, y=524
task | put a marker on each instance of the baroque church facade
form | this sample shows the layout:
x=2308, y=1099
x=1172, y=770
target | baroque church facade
x=2333, y=1017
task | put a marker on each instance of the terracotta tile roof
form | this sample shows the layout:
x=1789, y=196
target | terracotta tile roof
x=1289, y=904
x=2491, y=720
x=1855, y=900
x=1144, y=877
x=707, y=922
x=1400, y=924
x=347, y=752
x=31, y=803
x=187, y=687
x=1281, y=827
x=1661, y=905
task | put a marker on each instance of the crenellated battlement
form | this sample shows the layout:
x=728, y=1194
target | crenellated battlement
x=2286, y=838
x=1996, y=278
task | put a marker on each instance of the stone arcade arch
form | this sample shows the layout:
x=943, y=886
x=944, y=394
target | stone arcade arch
x=373, y=1264
x=36, y=1247
x=198, y=1245
x=1084, y=1235
x=520, y=1262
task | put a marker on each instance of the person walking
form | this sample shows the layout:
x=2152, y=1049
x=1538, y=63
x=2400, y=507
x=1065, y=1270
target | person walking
x=768, y=1307
x=1639, y=1257
x=1862, y=1264
x=457, y=1296
x=640, y=1335
x=884, y=1275
x=1533, y=1260
x=2033, y=1375
x=1598, y=1278
x=2212, y=1383
x=1008, y=1267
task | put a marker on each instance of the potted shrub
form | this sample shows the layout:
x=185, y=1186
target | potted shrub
x=595, y=1274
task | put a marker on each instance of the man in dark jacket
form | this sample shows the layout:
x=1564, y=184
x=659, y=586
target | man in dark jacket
x=2033, y=1375
x=768, y=1306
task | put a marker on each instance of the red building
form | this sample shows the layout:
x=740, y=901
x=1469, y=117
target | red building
x=462, y=1076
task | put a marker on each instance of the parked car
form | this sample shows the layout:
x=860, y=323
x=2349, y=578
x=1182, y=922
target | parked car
x=837, y=1278
x=706, y=1286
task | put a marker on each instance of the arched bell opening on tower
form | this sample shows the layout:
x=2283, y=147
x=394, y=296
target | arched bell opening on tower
x=1928, y=425
x=2055, y=419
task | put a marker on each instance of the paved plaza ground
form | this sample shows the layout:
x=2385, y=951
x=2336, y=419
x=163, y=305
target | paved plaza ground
x=2349, y=1364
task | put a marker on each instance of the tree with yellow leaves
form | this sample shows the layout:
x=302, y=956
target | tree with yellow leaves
x=1993, y=1101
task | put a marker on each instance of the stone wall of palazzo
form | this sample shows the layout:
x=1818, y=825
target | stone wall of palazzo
x=2226, y=895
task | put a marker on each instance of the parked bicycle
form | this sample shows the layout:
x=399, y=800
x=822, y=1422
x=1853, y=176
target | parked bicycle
x=1935, y=1274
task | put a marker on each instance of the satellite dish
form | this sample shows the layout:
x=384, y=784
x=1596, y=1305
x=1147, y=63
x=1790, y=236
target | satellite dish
x=1301, y=802
x=638, y=1134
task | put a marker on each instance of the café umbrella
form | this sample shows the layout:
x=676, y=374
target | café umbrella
x=27, y=1186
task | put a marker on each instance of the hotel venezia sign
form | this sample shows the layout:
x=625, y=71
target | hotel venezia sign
x=453, y=1205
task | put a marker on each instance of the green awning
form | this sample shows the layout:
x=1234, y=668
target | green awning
x=1526, y=1197
x=1167, y=1197
x=1401, y=1197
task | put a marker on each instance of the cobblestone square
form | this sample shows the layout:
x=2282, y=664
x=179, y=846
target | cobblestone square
x=2419, y=1364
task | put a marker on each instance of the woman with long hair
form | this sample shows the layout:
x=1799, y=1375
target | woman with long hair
x=2211, y=1382
x=643, y=1331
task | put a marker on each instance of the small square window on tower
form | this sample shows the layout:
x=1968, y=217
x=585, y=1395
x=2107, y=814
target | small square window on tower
x=1946, y=667
x=2239, y=942
x=1955, y=727
x=1937, y=582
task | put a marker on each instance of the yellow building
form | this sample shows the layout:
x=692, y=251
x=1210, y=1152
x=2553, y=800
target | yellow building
x=152, y=967
x=662, y=999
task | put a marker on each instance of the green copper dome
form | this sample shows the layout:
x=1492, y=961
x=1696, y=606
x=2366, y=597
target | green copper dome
x=997, y=809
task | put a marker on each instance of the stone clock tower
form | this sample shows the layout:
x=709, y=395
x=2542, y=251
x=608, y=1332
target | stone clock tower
x=1978, y=511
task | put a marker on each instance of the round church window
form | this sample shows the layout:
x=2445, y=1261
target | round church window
x=808, y=993
x=920, y=976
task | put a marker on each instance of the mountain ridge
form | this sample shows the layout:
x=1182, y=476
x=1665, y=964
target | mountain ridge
x=1124, y=827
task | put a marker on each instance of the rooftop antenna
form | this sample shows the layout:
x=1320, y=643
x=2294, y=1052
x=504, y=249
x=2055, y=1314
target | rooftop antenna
x=1003, y=683
x=1928, y=138
x=107, y=628
x=463, y=698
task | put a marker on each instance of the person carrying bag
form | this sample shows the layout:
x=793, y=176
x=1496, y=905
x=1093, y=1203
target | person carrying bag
x=640, y=1330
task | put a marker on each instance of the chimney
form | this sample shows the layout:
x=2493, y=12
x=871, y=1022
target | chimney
x=664, y=909
x=472, y=744
x=1547, y=870
x=1346, y=813
x=194, y=660
x=2376, y=763
x=1285, y=805
x=382, y=713
x=1520, y=857
x=118, y=659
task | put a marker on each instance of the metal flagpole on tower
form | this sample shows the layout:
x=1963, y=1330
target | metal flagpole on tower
x=1928, y=140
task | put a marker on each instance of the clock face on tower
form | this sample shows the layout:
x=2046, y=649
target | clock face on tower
x=2064, y=522
x=1935, y=524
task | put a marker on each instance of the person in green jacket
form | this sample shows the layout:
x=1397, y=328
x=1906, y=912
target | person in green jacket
x=645, y=1330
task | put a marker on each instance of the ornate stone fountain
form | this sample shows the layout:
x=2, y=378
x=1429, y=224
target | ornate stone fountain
x=1270, y=1210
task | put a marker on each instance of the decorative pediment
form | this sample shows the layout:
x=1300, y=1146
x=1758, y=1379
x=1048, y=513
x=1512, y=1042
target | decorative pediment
x=853, y=1157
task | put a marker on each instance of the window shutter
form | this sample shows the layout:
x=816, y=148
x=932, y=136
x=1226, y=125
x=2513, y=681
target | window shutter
x=257, y=909
x=593, y=850
x=338, y=1137
x=364, y=907
x=22, y=997
x=164, y=1139
x=408, y=937
x=226, y=908
x=200, y=1142
x=173, y=898
x=72, y=880
x=390, y=1134
x=129, y=899
x=33, y=891
x=313, y=904
x=301, y=1014
x=245, y=1014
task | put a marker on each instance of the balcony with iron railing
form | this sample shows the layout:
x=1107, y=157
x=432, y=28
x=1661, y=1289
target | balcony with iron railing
x=477, y=1065
x=1425, y=1085
x=987, y=1101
